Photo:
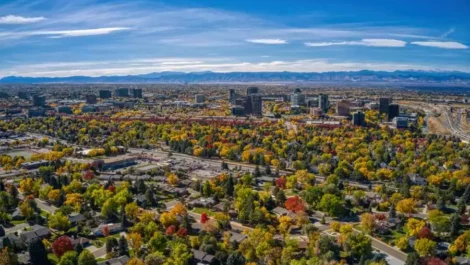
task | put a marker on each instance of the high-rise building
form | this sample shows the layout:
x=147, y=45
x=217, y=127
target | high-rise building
x=252, y=90
x=64, y=109
x=91, y=99
x=23, y=95
x=36, y=112
x=247, y=104
x=231, y=96
x=39, y=101
x=383, y=105
x=199, y=98
x=137, y=92
x=343, y=107
x=105, y=94
x=297, y=99
x=393, y=111
x=359, y=118
x=401, y=122
x=121, y=92
x=257, y=104
x=324, y=103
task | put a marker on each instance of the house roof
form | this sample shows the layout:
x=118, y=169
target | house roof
x=116, y=261
x=236, y=237
x=76, y=217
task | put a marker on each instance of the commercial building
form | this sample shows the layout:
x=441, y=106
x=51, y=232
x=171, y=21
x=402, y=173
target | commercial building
x=23, y=95
x=122, y=92
x=105, y=94
x=257, y=104
x=384, y=103
x=359, y=119
x=64, y=109
x=39, y=101
x=199, y=98
x=137, y=93
x=34, y=164
x=232, y=96
x=343, y=107
x=393, y=111
x=400, y=122
x=297, y=99
x=238, y=110
x=252, y=90
x=324, y=102
x=36, y=112
x=91, y=99
x=316, y=112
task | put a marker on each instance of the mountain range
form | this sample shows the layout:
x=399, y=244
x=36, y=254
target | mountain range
x=365, y=76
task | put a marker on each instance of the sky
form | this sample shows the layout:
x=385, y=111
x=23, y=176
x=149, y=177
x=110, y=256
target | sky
x=57, y=38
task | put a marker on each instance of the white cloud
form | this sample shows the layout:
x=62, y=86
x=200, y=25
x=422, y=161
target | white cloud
x=54, y=34
x=12, y=19
x=441, y=44
x=267, y=41
x=148, y=65
x=363, y=42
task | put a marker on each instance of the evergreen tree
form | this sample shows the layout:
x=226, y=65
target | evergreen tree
x=392, y=213
x=267, y=170
x=123, y=248
x=280, y=198
x=78, y=248
x=37, y=253
x=150, y=198
x=229, y=186
x=405, y=187
x=412, y=259
x=455, y=225
x=440, y=204
x=236, y=258
x=466, y=195
x=224, y=165
x=257, y=172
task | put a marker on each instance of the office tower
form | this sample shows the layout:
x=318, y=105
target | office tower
x=297, y=99
x=257, y=104
x=343, y=107
x=383, y=105
x=122, y=92
x=105, y=94
x=248, y=106
x=393, y=111
x=231, y=96
x=401, y=122
x=324, y=103
x=359, y=118
x=64, y=109
x=137, y=92
x=252, y=90
x=39, y=101
x=91, y=99
x=199, y=98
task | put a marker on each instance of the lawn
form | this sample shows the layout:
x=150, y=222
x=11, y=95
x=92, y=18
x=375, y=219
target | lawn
x=204, y=210
x=17, y=222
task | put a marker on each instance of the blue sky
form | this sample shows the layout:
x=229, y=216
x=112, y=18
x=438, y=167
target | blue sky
x=96, y=37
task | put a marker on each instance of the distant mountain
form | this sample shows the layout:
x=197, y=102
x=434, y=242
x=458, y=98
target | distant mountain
x=365, y=76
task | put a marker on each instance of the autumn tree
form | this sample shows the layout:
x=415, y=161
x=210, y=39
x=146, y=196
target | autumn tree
x=295, y=204
x=62, y=245
x=86, y=258
x=425, y=247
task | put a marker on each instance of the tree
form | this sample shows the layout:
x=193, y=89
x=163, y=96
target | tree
x=37, y=253
x=156, y=258
x=331, y=204
x=131, y=210
x=295, y=204
x=69, y=258
x=280, y=197
x=8, y=257
x=135, y=261
x=123, y=248
x=111, y=243
x=179, y=254
x=26, y=210
x=412, y=259
x=392, y=213
x=425, y=247
x=135, y=241
x=86, y=258
x=368, y=222
x=229, y=186
x=109, y=208
x=62, y=245
x=59, y=221
x=204, y=218
x=435, y=261
x=406, y=206
x=236, y=258
x=413, y=226
x=455, y=225
x=402, y=243
x=425, y=232
x=172, y=179
x=359, y=244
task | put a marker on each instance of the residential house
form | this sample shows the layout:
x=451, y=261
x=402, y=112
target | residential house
x=201, y=257
x=112, y=229
x=76, y=218
x=115, y=261
x=37, y=232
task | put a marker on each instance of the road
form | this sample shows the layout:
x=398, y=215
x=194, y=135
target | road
x=45, y=207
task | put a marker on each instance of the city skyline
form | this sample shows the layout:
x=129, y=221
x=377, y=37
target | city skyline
x=93, y=38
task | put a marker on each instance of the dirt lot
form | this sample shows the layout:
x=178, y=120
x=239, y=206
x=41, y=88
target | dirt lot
x=436, y=126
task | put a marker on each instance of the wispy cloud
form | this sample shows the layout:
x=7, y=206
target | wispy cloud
x=12, y=19
x=60, y=33
x=363, y=42
x=144, y=66
x=447, y=33
x=267, y=41
x=441, y=44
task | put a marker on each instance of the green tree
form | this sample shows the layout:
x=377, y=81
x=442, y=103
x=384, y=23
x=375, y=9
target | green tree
x=425, y=247
x=69, y=258
x=236, y=258
x=59, y=221
x=86, y=258
x=331, y=204
x=179, y=254
x=123, y=248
